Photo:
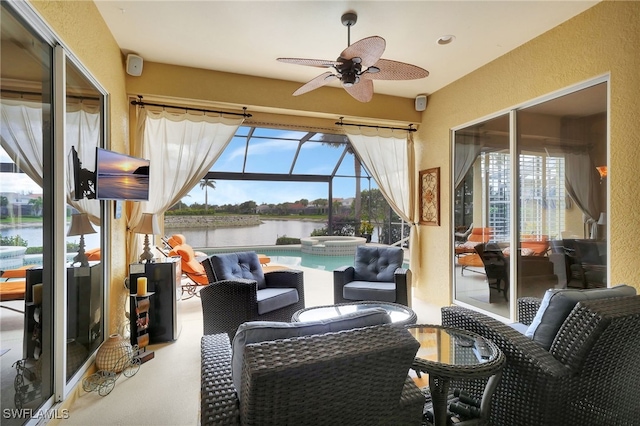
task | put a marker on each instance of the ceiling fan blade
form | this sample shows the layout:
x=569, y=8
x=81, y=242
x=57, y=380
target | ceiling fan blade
x=321, y=63
x=319, y=81
x=362, y=91
x=393, y=70
x=369, y=49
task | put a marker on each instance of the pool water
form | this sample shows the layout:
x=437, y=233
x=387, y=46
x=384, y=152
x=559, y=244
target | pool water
x=293, y=258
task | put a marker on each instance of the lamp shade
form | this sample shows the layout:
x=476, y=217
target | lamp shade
x=148, y=225
x=602, y=220
x=80, y=225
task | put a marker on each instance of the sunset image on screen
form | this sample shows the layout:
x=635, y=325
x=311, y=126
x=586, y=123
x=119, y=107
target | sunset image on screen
x=121, y=177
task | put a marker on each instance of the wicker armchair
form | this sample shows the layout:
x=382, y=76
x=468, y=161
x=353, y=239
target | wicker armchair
x=353, y=377
x=377, y=274
x=240, y=291
x=590, y=375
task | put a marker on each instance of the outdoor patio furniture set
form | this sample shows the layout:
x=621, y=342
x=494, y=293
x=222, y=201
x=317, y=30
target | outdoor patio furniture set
x=351, y=366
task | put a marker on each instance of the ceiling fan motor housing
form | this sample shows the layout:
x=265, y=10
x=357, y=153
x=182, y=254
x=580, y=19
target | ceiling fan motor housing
x=349, y=71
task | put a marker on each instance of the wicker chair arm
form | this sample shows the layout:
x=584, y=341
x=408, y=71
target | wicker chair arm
x=341, y=276
x=218, y=398
x=517, y=347
x=216, y=298
x=402, y=279
x=527, y=309
x=344, y=273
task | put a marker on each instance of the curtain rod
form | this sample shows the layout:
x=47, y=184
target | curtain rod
x=409, y=129
x=23, y=92
x=142, y=103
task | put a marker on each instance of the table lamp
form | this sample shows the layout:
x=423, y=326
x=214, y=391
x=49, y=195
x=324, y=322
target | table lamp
x=148, y=225
x=80, y=225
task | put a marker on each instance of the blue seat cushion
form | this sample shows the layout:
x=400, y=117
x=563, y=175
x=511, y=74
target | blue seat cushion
x=374, y=263
x=270, y=299
x=557, y=304
x=230, y=266
x=370, y=290
x=263, y=331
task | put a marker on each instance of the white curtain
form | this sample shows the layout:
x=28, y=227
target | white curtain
x=389, y=155
x=21, y=135
x=468, y=148
x=82, y=133
x=581, y=181
x=181, y=148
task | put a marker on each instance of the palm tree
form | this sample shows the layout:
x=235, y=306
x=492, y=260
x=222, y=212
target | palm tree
x=206, y=183
x=37, y=205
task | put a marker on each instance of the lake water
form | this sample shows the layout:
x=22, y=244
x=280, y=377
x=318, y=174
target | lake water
x=264, y=234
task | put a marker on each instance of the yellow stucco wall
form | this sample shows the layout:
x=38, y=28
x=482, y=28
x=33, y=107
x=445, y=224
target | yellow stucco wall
x=263, y=95
x=604, y=39
x=84, y=32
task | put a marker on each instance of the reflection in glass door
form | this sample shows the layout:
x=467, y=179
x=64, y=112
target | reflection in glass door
x=482, y=174
x=560, y=193
x=85, y=292
x=562, y=211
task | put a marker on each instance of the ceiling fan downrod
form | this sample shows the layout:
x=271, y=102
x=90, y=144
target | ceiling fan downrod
x=349, y=19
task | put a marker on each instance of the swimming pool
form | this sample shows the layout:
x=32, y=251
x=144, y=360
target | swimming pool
x=292, y=256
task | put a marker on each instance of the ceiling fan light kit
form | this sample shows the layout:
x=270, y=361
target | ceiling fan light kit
x=357, y=66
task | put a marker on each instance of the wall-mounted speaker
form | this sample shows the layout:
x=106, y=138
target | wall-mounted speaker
x=421, y=102
x=134, y=65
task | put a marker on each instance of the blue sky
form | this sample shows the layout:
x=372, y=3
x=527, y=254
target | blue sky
x=273, y=151
x=269, y=151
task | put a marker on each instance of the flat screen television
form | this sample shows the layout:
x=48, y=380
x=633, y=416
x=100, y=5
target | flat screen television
x=121, y=177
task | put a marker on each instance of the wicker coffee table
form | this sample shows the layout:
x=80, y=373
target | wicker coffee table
x=447, y=354
x=400, y=314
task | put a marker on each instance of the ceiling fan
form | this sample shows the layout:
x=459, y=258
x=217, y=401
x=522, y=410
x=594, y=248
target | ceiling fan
x=357, y=66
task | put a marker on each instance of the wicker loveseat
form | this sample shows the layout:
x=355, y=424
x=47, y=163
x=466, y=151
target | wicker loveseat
x=353, y=377
x=590, y=373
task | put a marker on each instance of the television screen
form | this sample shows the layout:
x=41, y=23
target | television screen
x=121, y=177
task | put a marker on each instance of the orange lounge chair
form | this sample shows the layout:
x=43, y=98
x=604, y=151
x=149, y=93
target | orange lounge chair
x=12, y=283
x=191, y=263
x=477, y=236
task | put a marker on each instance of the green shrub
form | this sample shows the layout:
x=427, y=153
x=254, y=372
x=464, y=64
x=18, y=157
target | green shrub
x=16, y=240
x=285, y=241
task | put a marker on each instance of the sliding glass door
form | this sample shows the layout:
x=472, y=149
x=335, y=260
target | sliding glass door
x=52, y=298
x=537, y=211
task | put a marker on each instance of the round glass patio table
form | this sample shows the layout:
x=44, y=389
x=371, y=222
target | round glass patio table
x=447, y=354
x=400, y=314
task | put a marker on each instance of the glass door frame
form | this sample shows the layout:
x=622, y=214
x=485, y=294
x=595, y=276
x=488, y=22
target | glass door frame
x=515, y=187
x=58, y=161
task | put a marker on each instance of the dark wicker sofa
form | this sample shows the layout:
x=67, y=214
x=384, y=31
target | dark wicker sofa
x=590, y=374
x=353, y=377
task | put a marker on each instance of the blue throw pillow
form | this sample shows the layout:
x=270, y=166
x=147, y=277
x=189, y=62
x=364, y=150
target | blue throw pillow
x=243, y=265
x=558, y=303
x=263, y=331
